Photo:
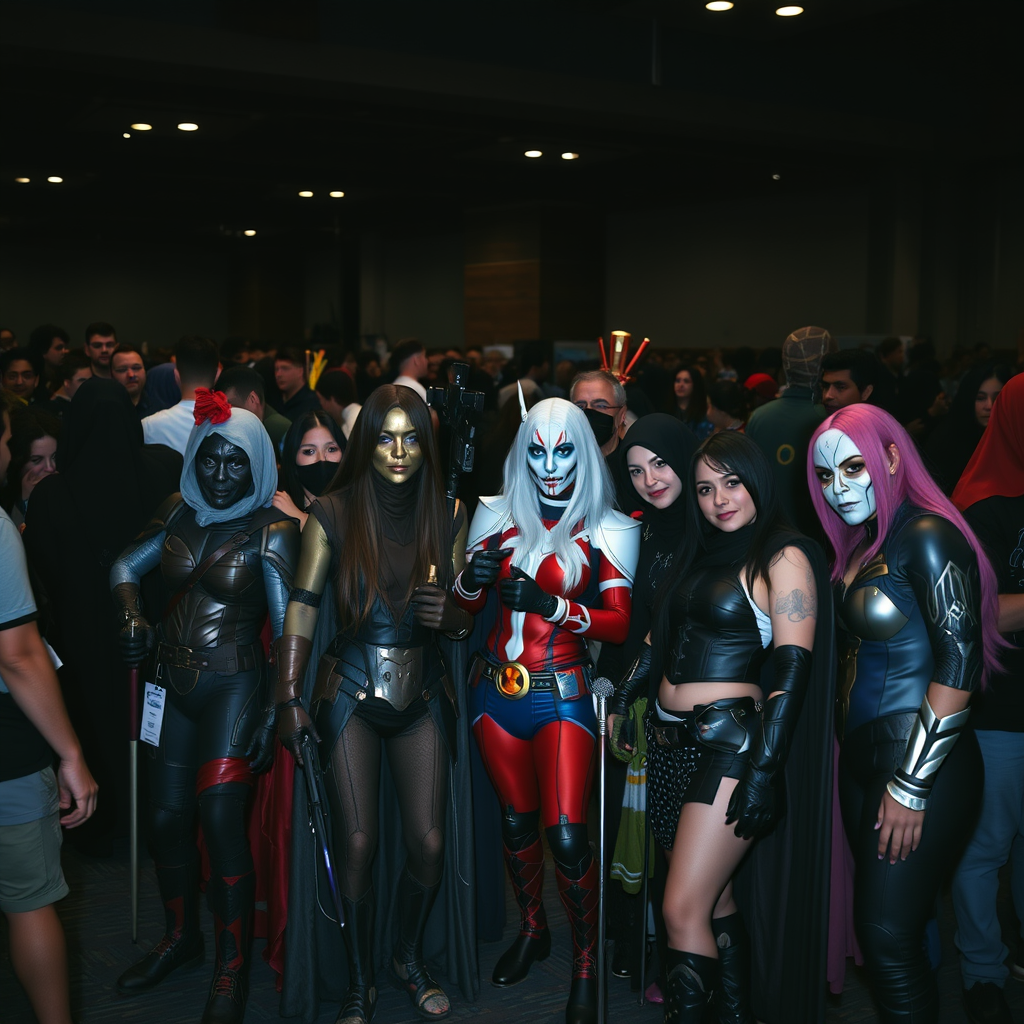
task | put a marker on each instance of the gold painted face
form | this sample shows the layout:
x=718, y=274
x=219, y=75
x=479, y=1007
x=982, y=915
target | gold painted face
x=398, y=455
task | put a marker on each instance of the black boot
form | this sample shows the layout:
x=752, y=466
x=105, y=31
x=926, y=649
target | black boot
x=579, y=897
x=361, y=1001
x=407, y=970
x=732, y=997
x=690, y=983
x=524, y=858
x=182, y=944
x=231, y=900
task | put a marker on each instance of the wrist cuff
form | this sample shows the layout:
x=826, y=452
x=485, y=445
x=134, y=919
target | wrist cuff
x=931, y=740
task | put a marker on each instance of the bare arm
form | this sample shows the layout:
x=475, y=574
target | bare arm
x=1011, y=613
x=28, y=672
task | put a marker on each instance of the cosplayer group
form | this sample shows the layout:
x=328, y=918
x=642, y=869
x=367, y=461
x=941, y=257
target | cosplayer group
x=723, y=614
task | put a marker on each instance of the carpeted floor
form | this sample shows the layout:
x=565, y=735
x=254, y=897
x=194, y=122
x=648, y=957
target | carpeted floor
x=96, y=917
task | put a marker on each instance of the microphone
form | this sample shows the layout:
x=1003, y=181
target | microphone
x=602, y=688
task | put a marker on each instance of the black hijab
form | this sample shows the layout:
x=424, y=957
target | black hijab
x=670, y=439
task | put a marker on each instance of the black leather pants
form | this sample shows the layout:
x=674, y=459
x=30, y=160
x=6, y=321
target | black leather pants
x=893, y=902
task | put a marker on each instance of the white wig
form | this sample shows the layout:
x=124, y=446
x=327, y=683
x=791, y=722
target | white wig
x=591, y=497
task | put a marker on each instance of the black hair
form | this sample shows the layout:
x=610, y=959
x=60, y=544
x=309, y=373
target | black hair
x=729, y=397
x=290, y=449
x=406, y=348
x=862, y=366
x=697, y=406
x=231, y=347
x=337, y=384
x=100, y=327
x=243, y=380
x=533, y=354
x=887, y=346
x=41, y=339
x=77, y=359
x=292, y=354
x=197, y=360
x=22, y=352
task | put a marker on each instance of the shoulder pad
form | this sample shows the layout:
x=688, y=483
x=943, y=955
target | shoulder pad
x=491, y=517
x=164, y=518
x=618, y=537
x=281, y=544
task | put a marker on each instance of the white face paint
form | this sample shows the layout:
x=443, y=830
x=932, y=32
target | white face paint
x=844, y=477
x=552, y=459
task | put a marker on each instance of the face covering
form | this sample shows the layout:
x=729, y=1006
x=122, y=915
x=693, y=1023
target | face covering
x=316, y=476
x=601, y=424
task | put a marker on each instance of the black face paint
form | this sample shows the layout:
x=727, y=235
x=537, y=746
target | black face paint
x=316, y=476
x=601, y=424
x=223, y=472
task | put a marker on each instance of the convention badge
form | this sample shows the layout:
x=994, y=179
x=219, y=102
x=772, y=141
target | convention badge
x=152, y=714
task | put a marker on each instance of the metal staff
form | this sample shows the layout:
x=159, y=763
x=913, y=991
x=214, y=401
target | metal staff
x=133, y=726
x=602, y=688
x=318, y=819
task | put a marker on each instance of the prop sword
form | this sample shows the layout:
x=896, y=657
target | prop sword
x=318, y=819
x=602, y=688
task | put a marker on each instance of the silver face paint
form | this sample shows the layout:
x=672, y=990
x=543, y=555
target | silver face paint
x=844, y=477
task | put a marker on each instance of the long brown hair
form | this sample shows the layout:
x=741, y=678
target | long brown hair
x=359, y=568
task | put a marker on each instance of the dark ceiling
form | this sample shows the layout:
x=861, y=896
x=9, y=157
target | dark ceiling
x=421, y=111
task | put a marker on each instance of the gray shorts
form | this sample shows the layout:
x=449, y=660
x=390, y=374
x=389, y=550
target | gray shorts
x=30, y=872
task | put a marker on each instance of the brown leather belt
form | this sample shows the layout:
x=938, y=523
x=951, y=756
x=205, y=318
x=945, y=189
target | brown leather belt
x=225, y=658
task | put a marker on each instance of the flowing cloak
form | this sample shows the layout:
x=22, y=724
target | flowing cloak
x=783, y=885
x=316, y=966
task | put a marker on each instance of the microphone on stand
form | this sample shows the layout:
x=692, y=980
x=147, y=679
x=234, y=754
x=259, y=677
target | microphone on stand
x=602, y=688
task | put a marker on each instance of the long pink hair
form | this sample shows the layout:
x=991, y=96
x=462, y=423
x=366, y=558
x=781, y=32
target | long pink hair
x=873, y=430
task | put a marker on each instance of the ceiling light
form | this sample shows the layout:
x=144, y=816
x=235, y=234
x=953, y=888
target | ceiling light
x=141, y=126
x=306, y=195
x=570, y=156
x=188, y=126
x=126, y=135
x=533, y=153
x=54, y=179
x=249, y=232
x=776, y=177
x=22, y=181
x=719, y=5
x=336, y=195
x=789, y=12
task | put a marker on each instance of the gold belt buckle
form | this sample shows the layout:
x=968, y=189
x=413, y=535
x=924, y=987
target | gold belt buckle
x=512, y=680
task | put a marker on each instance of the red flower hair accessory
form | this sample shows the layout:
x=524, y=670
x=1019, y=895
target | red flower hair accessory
x=212, y=406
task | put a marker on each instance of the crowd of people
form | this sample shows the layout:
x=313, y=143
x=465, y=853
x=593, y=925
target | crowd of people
x=788, y=562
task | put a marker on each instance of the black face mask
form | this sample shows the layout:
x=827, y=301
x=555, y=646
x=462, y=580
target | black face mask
x=601, y=424
x=316, y=476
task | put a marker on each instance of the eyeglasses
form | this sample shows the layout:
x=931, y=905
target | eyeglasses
x=599, y=406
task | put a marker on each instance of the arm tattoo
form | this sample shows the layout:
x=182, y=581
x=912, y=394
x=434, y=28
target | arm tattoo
x=797, y=606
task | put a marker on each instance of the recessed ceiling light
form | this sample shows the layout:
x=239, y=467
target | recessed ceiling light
x=776, y=177
x=22, y=181
x=789, y=12
x=533, y=153
x=141, y=126
x=54, y=179
x=126, y=135
x=570, y=156
x=336, y=195
x=188, y=126
x=719, y=5
x=249, y=232
x=306, y=195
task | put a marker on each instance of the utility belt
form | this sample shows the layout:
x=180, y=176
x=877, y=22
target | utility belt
x=513, y=680
x=394, y=674
x=726, y=725
x=182, y=665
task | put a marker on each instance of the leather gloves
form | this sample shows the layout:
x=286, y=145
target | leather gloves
x=523, y=593
x=483, y=570
x=289, y=654
x=137, y=636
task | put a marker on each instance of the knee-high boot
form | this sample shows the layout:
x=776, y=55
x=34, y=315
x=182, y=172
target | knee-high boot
x=732, y=996
x=579, y=897
x=524, y=858
x=407, y=970
x=182, y=944
x=231, y=899
x=690, y=982
x=361, y=1002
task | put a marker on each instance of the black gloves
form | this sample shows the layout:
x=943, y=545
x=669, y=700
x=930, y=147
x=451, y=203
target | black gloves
x=622, y=740
x=483, y=570
x=634, y=684
x=436, y=609
x=755, y=804
x=286, y=715
x=522, y=593
x=137, y=636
